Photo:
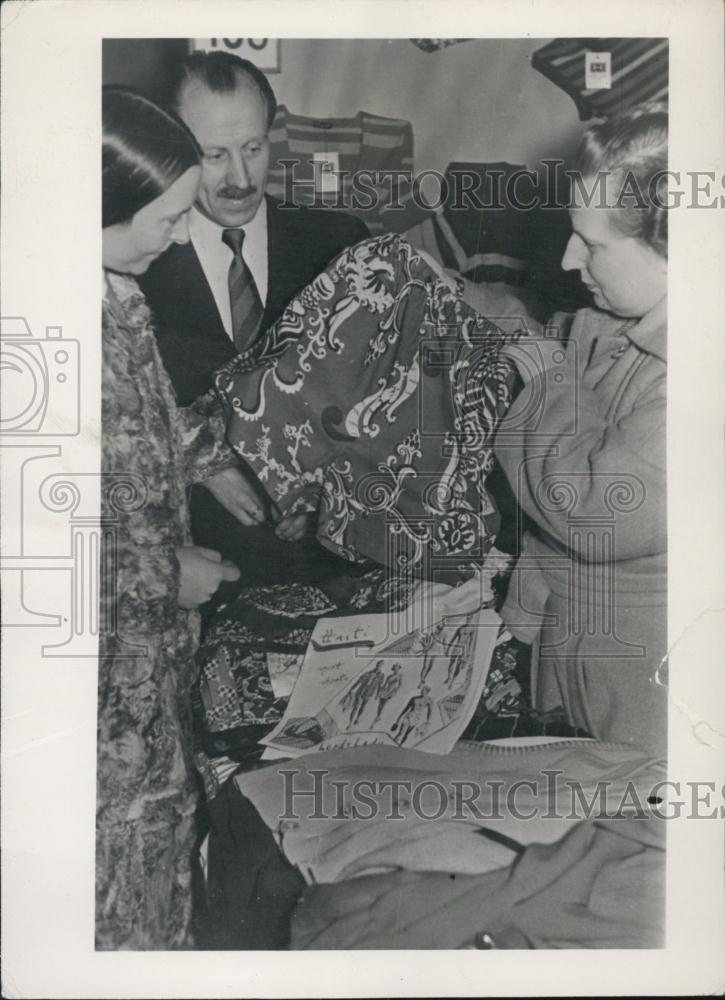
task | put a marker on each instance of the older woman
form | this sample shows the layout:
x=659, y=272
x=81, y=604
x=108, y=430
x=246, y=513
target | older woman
x=583, y=447
x=154, y=578
x=584, y=451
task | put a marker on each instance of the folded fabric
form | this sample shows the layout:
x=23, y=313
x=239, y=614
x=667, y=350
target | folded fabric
x=600, y=886
x=344, y=813
x=380, y=390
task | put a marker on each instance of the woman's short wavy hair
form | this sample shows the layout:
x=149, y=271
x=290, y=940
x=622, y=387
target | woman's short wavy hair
x=145, y=150
x=631, y=149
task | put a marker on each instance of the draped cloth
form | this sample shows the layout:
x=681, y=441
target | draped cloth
x=376, y=396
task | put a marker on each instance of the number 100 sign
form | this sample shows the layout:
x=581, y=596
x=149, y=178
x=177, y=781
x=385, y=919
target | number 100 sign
x=263, y=52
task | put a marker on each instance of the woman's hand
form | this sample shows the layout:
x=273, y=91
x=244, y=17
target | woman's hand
x=291, y=527
x=234, y=491
x=202, y=570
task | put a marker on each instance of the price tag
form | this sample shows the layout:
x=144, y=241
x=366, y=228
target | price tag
x=326, y=167
x=598, y=71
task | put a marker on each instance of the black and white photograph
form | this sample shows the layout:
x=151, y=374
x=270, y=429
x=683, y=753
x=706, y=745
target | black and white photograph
x=354, y=507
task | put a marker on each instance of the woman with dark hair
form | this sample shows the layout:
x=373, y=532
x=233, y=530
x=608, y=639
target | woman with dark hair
x=154, y=578
x=583, y=448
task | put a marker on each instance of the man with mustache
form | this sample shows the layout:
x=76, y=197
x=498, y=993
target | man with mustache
x=247, y=258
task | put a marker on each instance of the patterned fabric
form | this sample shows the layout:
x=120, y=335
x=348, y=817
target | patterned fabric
x=640, y=72
x=146, y=793
x=378, y=391
x=247, y=308
x=370, y=151
x=290, y=599
x=246, y=648
x=249, y=641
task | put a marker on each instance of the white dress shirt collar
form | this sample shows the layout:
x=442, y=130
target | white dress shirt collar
x=215, y=257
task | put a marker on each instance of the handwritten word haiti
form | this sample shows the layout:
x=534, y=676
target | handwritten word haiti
x=333, y=639
x=332, y=636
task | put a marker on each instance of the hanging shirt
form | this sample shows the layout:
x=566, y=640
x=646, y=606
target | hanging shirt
x=356, y=147
x=215, y=257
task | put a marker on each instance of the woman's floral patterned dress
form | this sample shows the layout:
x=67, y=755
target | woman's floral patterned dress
x=146, y=793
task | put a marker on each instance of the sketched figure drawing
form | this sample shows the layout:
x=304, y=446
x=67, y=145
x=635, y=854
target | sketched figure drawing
x=459, y=649
x=362, y=692
x=387, y=689
x=432, y=646
x=414, y=717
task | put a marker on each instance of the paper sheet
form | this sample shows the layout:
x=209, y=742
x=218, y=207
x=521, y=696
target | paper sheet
x=365, y=682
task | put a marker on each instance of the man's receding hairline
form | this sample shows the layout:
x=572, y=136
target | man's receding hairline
x=244, y=82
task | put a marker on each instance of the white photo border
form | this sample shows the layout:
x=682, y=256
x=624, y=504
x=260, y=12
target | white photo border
x=51, y=233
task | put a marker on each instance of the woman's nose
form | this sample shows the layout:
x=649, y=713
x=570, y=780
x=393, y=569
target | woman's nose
x=573, y=258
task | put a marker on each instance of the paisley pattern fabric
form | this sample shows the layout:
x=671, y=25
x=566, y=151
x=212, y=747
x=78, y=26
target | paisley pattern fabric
x=146, y=795
x=235, y=702
x=374, y=398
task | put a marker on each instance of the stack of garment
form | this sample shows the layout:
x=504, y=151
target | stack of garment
x=568, y=850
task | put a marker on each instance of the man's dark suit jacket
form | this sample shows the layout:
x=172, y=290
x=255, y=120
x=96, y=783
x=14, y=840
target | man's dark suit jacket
x=191, y=338
x=193, y=344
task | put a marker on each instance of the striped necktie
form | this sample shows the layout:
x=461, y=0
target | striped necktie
x=247, y=309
